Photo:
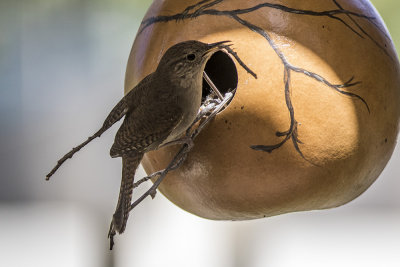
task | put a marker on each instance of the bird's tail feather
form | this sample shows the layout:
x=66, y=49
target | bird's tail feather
x=130, y=164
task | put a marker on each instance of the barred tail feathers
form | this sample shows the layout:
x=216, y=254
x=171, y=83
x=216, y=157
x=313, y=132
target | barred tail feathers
x=129, y=166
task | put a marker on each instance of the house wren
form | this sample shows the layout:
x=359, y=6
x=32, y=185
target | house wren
x=157, y=111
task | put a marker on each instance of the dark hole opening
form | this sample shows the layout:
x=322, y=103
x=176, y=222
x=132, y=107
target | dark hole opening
x=222, y=71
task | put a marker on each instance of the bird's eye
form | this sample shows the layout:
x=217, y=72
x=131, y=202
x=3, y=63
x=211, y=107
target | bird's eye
x=191, y=57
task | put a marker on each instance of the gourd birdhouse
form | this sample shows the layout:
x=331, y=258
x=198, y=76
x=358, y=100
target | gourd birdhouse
x=312, y=129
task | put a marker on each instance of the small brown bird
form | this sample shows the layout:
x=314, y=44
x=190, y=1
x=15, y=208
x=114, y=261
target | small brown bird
x=157, y=111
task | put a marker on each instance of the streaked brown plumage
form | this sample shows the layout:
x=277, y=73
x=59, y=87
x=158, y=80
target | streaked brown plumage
x=157, y=111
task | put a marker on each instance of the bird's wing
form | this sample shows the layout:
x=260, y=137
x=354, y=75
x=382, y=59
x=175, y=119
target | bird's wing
x=145, y=128
x=126, y=104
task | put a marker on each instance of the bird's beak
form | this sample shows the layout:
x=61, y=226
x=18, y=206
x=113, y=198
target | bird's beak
x=215, y=46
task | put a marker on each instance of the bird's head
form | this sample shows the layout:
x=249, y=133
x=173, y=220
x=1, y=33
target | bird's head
x=187, y=59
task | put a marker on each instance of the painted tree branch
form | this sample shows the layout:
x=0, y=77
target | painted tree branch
x=333, y=14
x=381, y=47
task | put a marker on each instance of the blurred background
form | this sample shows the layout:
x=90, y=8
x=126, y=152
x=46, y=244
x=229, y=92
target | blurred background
x=62, y=66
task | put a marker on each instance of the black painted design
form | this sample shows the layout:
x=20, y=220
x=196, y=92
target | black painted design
x=204, y=7
x=372, y=21
x=241, y=63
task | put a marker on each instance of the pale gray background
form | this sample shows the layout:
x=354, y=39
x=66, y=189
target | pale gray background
x=62, y=65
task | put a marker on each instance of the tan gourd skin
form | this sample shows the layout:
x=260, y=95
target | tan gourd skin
x=345, y=147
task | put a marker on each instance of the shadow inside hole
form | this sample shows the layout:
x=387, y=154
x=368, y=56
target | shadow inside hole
x=221, y=69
